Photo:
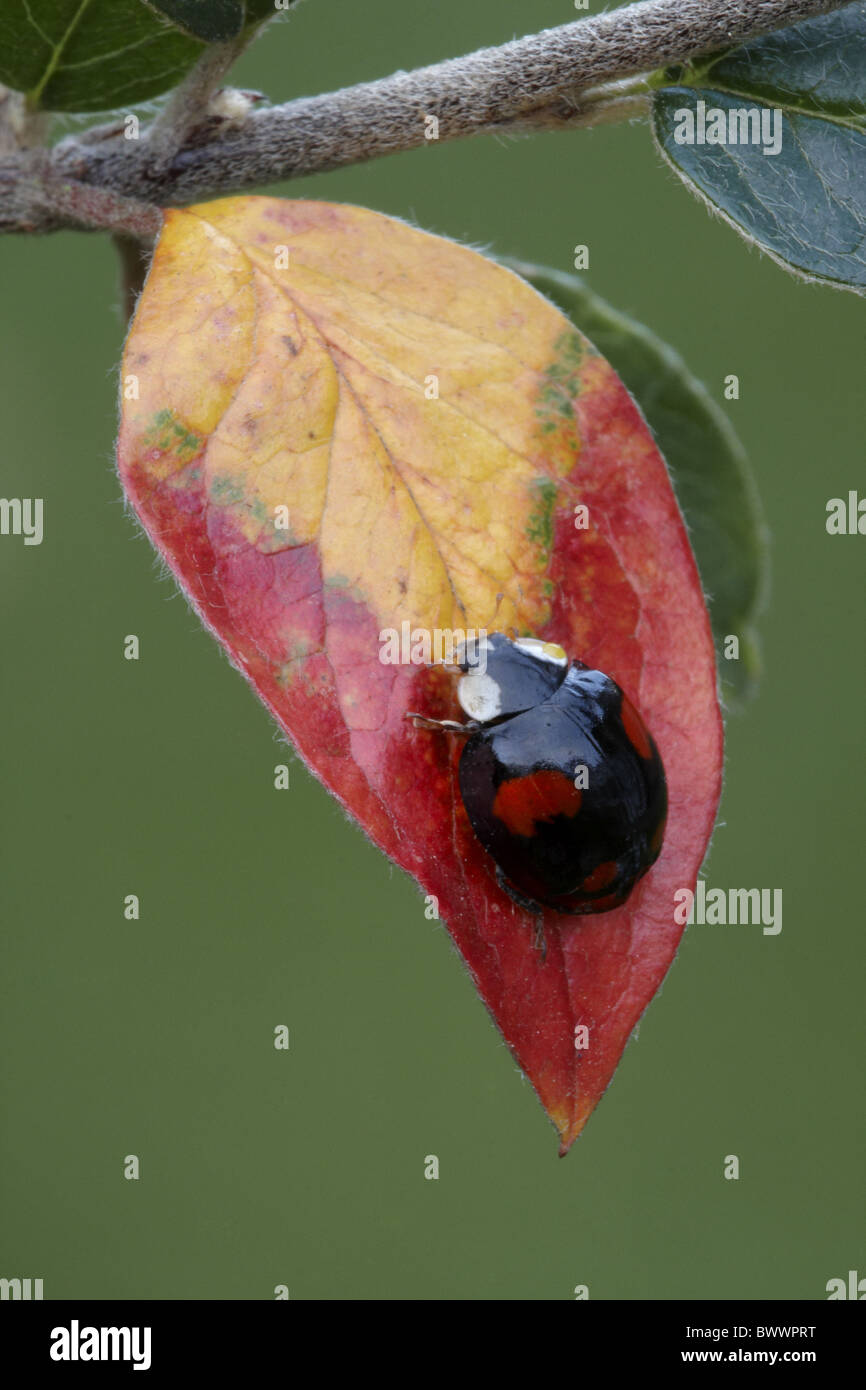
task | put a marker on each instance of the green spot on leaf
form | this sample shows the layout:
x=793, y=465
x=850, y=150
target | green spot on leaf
x=170, y=436
x=227, y=491
x=539, y=528
x=561, y=387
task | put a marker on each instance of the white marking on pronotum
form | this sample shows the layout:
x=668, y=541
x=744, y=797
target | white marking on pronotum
x=480, y=697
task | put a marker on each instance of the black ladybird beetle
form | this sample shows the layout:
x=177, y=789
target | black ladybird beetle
x=561, y=780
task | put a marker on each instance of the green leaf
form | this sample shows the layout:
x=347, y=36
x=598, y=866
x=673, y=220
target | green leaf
x=90, y=55
x=95, y=55
x=784, y=160
x=816, y=67
x=260, y=10
x=707, y=464
x=214, y=21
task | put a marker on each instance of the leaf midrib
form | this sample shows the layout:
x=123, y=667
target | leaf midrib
x=285, y=290
x=35, y=94
x=706, y=84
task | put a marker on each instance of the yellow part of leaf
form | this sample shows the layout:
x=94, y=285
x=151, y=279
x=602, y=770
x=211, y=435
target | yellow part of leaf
x=389, y=390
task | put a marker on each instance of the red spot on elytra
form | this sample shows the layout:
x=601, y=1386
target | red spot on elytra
x=635, y=729
x=524, y=801
x=601, y=877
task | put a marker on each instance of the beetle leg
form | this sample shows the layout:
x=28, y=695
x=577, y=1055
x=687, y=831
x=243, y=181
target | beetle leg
x=528, y=905
x=540, y=938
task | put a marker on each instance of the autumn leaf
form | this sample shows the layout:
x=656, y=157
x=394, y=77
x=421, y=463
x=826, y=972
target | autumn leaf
x=334, y=423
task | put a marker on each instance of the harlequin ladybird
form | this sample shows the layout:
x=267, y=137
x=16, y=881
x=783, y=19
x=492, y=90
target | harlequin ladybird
x=561, y=780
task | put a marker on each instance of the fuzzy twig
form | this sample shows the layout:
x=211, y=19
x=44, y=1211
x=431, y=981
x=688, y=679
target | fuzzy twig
x=189, y=103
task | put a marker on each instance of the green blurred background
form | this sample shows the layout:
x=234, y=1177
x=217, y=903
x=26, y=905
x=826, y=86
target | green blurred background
x=259, y=907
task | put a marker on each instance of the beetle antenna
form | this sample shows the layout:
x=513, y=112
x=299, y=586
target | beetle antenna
x=441, y=726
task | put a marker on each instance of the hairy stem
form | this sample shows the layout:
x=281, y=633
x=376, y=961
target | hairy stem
x=188, y=104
